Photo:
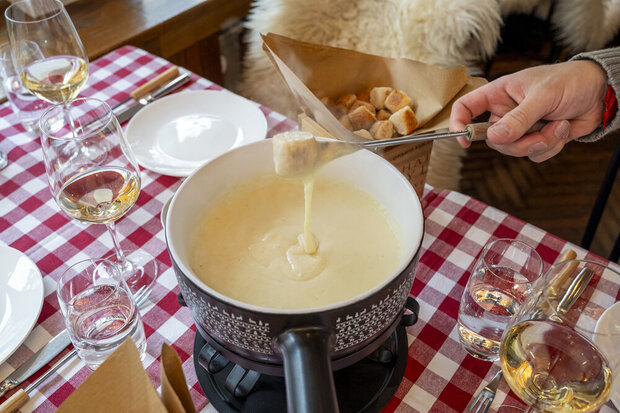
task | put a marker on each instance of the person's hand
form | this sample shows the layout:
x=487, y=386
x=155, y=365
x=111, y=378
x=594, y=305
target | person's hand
x=569, y=96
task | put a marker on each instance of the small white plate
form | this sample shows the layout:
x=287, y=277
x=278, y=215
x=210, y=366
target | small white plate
x=21, y=299
x=609, y=345
x=177, y=134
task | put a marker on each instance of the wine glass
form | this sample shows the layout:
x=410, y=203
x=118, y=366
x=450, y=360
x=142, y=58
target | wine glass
x=61, y=70
x=95, y=190
x=561, y=351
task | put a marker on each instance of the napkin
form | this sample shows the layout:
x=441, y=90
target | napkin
x=174, y=391
x=120, y=384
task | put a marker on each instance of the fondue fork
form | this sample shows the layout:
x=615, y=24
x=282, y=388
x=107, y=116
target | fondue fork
x=298, y=153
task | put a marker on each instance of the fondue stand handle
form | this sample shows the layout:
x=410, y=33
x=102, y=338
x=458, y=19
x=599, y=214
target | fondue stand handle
x=307, y=370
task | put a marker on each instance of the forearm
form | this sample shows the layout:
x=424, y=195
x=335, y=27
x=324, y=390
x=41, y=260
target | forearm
x=609, y=60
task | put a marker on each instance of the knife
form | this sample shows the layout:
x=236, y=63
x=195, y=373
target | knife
x=38, y=360
x=174, y=84
x=150, y=86
x=21, y=396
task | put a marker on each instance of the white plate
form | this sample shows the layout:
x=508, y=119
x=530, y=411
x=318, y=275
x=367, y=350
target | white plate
x=178, y=133
x=21, y=298
x=609, y=345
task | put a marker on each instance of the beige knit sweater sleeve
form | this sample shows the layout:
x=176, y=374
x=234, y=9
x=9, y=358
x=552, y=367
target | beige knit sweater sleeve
x=609, y=59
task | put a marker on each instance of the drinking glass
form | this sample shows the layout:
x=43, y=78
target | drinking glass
x=95, y=190
x=561, y=350
x=99, y=310
x=501, y=278
x=60, y=71
x=26, y=106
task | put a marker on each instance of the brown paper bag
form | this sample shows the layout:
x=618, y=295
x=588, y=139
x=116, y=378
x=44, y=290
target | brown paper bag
x=314, y=71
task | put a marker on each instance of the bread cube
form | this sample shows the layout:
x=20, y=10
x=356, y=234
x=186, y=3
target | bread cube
x=382, y=129
x=362, y=118
x=378, y=96
x=344, y=120
x=404, y=121
x=347, y=100
x=363, y=133
x=359, y=103
x=383, y=115
x=397, y=100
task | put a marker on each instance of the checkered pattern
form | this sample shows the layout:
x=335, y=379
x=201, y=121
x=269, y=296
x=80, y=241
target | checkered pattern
x=439, y=376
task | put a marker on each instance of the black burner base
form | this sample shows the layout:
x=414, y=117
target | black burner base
x=366, y=386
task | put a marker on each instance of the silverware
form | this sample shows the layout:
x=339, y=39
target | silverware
x=20, y=397
x=174, y=84
x=473, y=132
x=575, y=289
x=38, y=360
x=483, y=400
x=150, y=86
x=4, y=160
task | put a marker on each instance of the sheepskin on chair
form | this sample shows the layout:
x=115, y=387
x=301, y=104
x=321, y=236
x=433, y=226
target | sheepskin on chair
x=579, y=25
x=446, y=33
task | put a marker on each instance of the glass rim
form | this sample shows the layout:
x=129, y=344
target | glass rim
x=12, y=6
x=94, y=262
x=488, y=246
x=109, y=118
x=551, y=302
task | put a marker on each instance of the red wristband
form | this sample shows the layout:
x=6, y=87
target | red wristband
x=611, y=106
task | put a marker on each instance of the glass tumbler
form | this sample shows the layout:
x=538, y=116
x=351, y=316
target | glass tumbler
x=27, y=107
x=500, y=280
x=99, y=310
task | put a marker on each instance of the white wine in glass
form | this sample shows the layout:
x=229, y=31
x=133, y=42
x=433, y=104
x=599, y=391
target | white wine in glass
x=555, y=354
x=61, y=70
x=97, y=191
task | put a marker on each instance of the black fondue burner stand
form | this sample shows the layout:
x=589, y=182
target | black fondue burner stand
x=365, y=386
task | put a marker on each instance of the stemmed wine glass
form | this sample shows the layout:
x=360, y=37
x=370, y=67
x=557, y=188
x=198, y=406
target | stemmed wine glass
x=95, y=190
x=561, y=350
x=60, y=71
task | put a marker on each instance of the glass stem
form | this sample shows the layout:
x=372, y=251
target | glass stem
x=120, y=256
x=68, y=118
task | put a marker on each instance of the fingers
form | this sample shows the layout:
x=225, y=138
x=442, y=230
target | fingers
x=557, y=134
x=514, y=124
x=538, y=146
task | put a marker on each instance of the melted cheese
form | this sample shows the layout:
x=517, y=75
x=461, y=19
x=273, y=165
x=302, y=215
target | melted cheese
x=249, y=245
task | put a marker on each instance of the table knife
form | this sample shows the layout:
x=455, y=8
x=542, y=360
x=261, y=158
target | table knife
x=150, y=86
x=174, y=84
x=38, y=360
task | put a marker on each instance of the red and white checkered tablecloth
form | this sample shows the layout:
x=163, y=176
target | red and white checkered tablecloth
x=439, y=376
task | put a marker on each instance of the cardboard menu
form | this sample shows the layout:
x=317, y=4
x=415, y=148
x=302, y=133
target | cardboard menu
x=120, y=384
x=314, y=71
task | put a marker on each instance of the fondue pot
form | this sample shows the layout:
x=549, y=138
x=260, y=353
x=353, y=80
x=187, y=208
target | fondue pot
x=301, y=344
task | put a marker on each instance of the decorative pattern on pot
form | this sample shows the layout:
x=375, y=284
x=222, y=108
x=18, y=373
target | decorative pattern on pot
x=364, y=324
x=251, y=335
x=255, y=335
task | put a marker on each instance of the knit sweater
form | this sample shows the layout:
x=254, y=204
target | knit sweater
x=609, y=60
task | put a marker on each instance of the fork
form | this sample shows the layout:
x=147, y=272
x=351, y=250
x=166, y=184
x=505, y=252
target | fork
x=483, y=400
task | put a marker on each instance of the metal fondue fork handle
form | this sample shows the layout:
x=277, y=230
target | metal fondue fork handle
x=473, y=132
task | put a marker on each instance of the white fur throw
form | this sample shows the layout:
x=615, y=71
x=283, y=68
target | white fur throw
x=579, y=25
x=441, y=32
